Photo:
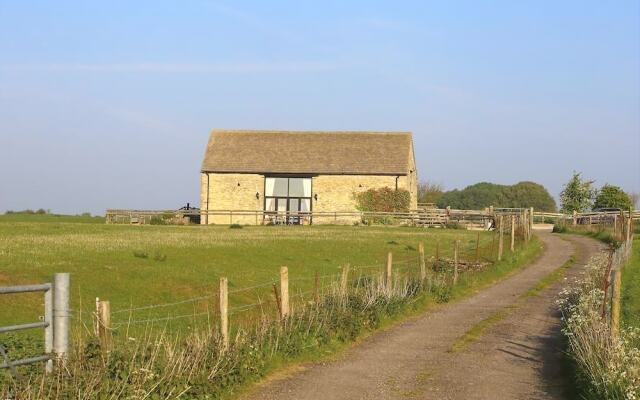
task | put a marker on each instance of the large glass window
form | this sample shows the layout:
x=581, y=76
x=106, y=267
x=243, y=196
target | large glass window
x=287, y=195
x=299, y=187
x=287, y=187
x=276, y=187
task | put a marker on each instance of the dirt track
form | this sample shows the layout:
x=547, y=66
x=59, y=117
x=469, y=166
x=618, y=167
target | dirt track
x=518, y=357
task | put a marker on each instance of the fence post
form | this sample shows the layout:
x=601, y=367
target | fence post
x=344, y=281
x=48, y=330
x=513, y=232
x=531, y=225
x=423, y=267
x=575, y=217
x=389, y=268
x=615, y=302
x=104, y=324
x=61, y=315
x=500, y=238
x=629, y=226
x=224, y=312
x=284, y=292
x=455, y=261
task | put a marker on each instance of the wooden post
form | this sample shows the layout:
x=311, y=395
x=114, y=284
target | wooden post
x=104, y=324
x=284, y=291
x=629, y=227
x=276, y=294
x=500, y=238
x=531, y=224
x=606, y=283
x=575, y=217
x=455, y=261
x=478, y=248
x=615, y=302
x=622, y=225
x=615, y=226
x=224, y=312
x=389, y=268
x=423, y=267
x=97, y=326
x=344, y=281
x=513, y=233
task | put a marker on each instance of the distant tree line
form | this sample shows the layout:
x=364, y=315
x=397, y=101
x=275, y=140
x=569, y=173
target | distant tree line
x=40, y=211
x=577, y=194
x=485, y=194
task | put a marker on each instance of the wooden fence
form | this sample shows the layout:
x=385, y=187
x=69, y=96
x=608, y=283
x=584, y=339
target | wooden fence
x=424, y=216
x=421, y=217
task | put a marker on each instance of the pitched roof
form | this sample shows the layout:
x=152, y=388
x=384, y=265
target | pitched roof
x=307, y=152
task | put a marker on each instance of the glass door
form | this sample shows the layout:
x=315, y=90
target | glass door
x=294, y=207
x=285, y=198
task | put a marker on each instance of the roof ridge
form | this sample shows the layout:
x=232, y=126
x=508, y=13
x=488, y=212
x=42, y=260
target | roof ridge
x=364, y=132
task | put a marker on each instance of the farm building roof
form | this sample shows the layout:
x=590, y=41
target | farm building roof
x=308, y=152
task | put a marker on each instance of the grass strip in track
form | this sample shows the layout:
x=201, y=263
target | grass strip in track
x=478, y=329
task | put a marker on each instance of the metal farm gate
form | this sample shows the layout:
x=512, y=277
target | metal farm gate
x=55, y=322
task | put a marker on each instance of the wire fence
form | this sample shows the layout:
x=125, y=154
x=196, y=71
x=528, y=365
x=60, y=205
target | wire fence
x=463, y=256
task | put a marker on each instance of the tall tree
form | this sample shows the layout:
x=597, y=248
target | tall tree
x=611, y=196
x=429, y=192
x=577, y=194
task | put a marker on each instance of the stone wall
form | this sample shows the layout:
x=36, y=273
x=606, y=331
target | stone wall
x=334, y=192
x=232, y=192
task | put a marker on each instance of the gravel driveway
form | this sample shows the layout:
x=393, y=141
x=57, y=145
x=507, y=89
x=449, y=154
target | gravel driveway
x=518, y=357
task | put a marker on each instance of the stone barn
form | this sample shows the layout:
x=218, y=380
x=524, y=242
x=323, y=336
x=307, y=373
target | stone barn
x=283, y=174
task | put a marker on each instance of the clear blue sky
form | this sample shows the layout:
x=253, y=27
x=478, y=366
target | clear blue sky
x=109, y=104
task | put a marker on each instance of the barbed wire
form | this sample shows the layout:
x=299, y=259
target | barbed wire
x=239, y=290
x=161, y=305
x=244, y=289
x=151, y=320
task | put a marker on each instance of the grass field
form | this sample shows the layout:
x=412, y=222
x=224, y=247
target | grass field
x=133, y=266
x=631, y=288
x=170, y=275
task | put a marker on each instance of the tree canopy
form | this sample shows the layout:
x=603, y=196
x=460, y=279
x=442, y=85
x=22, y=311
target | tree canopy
x=611, y=196
x=429, y=192
x=577, y=195
x=485, y=194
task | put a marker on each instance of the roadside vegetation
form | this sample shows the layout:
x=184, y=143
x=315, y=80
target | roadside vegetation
x=606, y=364
x=185, y=358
